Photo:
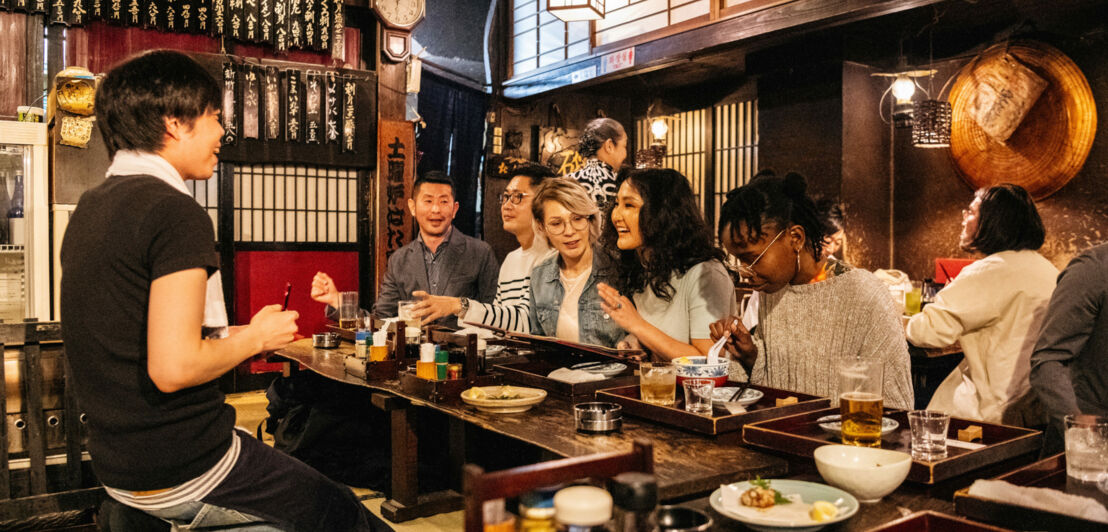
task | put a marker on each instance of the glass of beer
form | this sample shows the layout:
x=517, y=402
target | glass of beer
x=860, y=401
x=658, y=383
x=348, y=310
x=404, y=312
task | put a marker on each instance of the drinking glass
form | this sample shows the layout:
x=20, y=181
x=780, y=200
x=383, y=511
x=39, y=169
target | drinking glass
x=929, y=430
x=658, y=383
x=1086, y=447
x=912, y=299
x=404, y=312
x=348, y=310
x=860, y=401
x=698, y=395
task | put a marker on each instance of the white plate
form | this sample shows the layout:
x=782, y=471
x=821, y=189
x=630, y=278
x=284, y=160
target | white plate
x=786, y=517
x=833, y=425
x=610, y=369
x=523, y=400
x=723, y=395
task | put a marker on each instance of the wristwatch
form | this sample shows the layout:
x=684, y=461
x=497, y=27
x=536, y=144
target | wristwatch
x=465, y=307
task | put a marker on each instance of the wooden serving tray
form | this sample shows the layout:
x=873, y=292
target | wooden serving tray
x=800, y=435
x=448, y=391
x=533, y=373
x=384, y=370
x=930, y=521
x=1047, y=473
x=720, y=421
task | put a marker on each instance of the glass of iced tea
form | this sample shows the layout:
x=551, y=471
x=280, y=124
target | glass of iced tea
x=860, y=401
x=658, y=383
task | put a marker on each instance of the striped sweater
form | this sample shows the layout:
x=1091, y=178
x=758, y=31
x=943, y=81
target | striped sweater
x=511, y=307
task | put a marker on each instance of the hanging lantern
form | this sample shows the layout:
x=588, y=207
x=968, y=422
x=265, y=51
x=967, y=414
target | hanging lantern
x=931, y=124
x=576, y=10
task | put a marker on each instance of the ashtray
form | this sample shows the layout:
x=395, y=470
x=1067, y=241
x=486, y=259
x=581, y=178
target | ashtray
x=327, y=340
x=598, y=417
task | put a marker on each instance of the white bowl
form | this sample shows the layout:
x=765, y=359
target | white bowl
x=484, y=398
x=866, y=472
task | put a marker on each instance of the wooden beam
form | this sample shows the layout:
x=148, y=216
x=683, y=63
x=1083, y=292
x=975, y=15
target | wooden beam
x=796, y=17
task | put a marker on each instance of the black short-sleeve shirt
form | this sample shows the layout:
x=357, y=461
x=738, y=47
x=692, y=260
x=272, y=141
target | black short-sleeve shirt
x=125, y=233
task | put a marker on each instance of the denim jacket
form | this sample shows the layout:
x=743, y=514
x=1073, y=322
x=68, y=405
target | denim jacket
x=546, y=299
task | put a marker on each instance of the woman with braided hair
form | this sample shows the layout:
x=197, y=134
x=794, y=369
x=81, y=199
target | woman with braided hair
x=604, y=145
x=814, y=311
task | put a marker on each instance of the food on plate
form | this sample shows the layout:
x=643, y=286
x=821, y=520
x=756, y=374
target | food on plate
x=762, y=495
x=823, y=511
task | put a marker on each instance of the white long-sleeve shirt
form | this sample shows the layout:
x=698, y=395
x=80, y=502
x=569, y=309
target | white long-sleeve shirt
x=994, y=308
x=511, y=307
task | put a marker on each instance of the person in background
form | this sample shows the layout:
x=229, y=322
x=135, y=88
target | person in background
x=441, y=261
x=814, y=312
x=604, y=145
x=510, y=309
x=994, y=308
x=670, y=281
x=832, y=214
x=563, y=298
x=1069, y=366
x=139, y=258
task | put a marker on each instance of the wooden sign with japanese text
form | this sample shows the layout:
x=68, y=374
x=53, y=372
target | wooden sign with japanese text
x=395, y=174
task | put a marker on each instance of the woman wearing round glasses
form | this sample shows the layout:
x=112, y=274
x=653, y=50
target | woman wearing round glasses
x=668, y=265
x=814, y=311
x=564, y=300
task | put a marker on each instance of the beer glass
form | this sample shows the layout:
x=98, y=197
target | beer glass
x=404, y=312
x=348, y=310
x=860, y=401
x=658, y=383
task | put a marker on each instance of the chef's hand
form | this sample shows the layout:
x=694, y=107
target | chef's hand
x=618, y=307
x=430, y=308
x=324, y=290
x=275, y=328
x=740, y=344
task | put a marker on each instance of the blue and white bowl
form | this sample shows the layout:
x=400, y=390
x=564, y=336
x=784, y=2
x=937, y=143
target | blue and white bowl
x=698, y=368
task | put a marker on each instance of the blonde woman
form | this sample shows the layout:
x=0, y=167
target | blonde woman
x=564, y=298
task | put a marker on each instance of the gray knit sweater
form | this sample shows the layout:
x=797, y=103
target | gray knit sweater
x=804, y=331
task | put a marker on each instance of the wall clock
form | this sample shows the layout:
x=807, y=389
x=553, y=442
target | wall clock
x=400, y=14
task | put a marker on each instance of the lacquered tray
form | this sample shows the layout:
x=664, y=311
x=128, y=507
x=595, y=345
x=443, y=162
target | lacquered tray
x=1047, y=473
x=929, y=521
x=534, y=373
x=720, y=421
x=801, y=435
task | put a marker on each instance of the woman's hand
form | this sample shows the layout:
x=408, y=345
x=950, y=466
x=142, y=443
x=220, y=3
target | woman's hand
x=618, y=307
x=324, y=290
x=740, y=344
x=430, y=308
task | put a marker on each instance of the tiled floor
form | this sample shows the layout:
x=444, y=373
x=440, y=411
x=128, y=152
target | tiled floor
x=250, y=412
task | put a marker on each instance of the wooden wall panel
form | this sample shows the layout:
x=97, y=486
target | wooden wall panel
x=13, y=70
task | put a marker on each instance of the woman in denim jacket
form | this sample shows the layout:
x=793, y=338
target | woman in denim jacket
x=564, y=299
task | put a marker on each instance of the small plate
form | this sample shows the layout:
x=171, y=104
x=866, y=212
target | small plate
x=786, y=517
x=524, y=399
x=610, y=369
x=722, y=395
x=833, y=425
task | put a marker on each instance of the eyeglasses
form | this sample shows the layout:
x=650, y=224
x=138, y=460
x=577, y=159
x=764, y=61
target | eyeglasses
x=515, y=197
x=747, y=270
x=558, y=226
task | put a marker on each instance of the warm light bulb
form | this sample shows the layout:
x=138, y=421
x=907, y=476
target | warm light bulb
x=659, y=128
x=903, y=88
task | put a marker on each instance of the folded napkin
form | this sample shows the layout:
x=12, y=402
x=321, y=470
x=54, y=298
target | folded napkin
x=481, y=333
x=574, y=376
x=1045, y=499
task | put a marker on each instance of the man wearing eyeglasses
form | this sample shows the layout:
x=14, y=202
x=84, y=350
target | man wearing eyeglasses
x=510, y=308
x=441, y=261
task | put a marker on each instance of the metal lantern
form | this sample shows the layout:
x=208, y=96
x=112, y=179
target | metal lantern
x=575, y=10
x=931, y=124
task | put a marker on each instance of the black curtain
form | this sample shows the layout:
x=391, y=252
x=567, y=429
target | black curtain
x=454, y=140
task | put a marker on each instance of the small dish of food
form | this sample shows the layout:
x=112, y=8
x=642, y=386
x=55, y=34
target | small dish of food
x=607, y=369
x=783, y=505
x=833, y=424
x=723, y=395
x=503, y=399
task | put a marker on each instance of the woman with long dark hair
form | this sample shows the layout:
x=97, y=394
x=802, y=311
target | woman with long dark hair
x=603, y=144
x=994, y=309
x=814, y=311
x=670, y=280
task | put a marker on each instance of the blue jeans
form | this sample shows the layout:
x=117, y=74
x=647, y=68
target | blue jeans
x=198, y=515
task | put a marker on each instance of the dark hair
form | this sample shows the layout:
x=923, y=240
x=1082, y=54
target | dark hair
x=782, y=201
x=536, y=172
x=674, y=234
x=597, y=132
x=433, y=176
x=831, y=212
x=136, y=97
x=1007, y=220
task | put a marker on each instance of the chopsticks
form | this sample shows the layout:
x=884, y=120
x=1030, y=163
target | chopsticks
x=288, y=290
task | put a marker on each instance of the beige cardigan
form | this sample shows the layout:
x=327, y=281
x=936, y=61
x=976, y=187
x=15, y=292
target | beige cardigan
x=994, y=309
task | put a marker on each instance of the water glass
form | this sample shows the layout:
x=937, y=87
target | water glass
x=698, y=395
x=404, y=312
x=929, y=429
x=658, y=383
x=1086, y=448
x=860, y=400
x=348, y=310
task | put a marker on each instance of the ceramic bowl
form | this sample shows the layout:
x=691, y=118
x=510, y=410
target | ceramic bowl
x=678, y=519
x=486, y=398
x=867, y=473
x=698, y=368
